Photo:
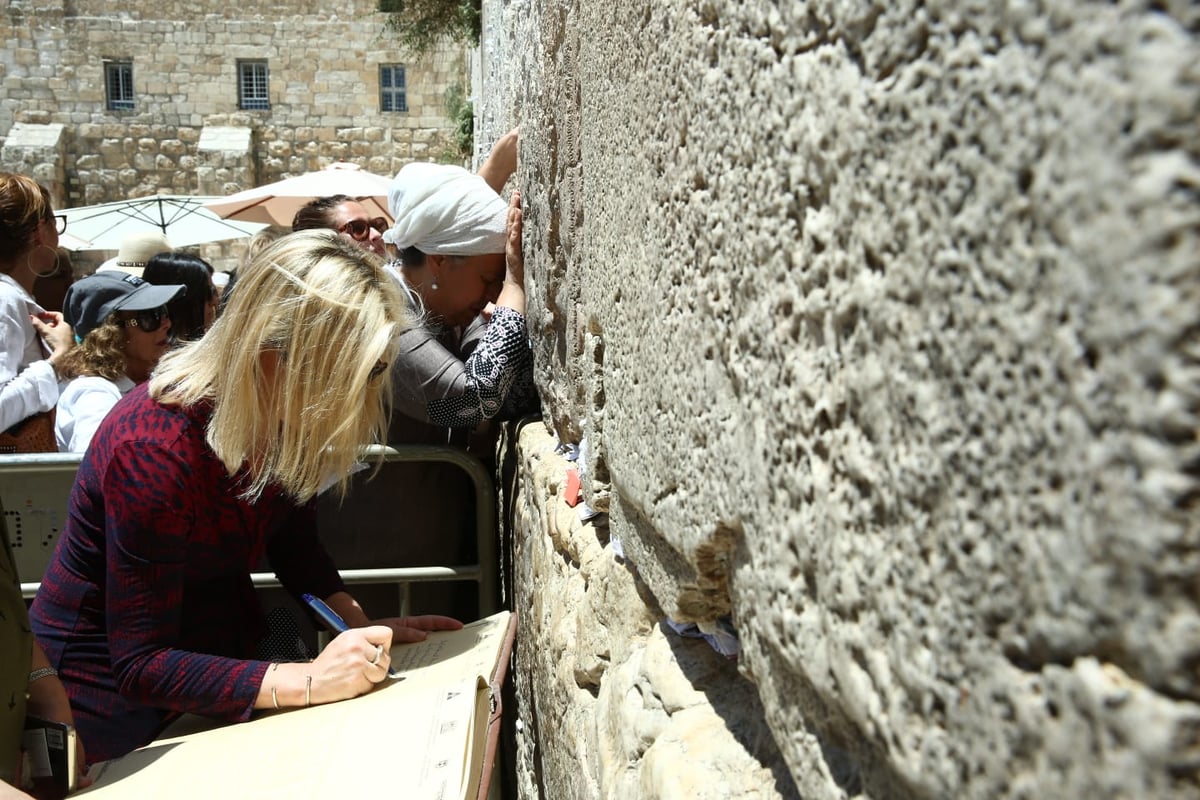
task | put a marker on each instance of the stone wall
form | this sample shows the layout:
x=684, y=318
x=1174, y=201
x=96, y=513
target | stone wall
x=879, y=321
x=324, y=93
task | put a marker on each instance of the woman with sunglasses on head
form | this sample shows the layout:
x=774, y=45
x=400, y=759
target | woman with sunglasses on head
x=124, y=329
x=194, y=311
x=33, y=341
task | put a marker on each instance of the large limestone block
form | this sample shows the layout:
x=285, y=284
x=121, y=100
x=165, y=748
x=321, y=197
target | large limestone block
x=609, y=704
x=882, y=321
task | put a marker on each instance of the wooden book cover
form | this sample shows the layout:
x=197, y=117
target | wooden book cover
x=429, y=734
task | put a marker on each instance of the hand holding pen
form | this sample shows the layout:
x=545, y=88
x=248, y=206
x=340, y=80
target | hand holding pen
x=336, y=625
x=343, y=670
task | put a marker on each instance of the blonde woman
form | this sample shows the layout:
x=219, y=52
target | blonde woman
x=147, y=606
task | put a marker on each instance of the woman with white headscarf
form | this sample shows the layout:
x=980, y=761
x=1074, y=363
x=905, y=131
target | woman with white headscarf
x=460, y=251
x=453, y=233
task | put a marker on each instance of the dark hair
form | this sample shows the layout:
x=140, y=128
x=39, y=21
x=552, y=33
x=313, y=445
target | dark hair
x=315, y=213
x=412, y=257
x=233, y=276
x=24, y=204
x=187, y=310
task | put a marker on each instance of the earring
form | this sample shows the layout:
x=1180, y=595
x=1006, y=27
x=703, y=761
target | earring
x=36, y=274
x=434, y=285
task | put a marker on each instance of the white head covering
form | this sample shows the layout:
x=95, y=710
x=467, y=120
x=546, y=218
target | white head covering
x=445, y=210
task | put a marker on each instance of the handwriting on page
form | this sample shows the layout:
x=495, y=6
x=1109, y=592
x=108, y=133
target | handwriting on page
x=421, y=655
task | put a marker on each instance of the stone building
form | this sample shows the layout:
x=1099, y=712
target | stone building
x=879, y=324
x=106, y=101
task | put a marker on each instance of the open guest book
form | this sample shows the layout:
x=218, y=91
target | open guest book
x=431, y=734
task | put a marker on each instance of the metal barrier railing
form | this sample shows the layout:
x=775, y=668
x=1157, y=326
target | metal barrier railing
x=35, y=488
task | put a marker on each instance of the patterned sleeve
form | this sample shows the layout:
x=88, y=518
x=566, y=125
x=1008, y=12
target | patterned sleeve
x=432, y=384
x=300, y=560
x=147, y=532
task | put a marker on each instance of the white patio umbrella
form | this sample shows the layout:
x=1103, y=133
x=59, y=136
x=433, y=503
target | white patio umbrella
x=73, y=243
x=181, y=218
x=277, y=203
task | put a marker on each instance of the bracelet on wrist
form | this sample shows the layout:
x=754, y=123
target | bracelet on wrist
x=43, y=672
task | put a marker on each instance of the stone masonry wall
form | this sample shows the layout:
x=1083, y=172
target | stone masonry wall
x=324, y=93
x=880, y=322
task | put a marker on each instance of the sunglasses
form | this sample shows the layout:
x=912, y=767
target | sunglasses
x=60, y=223
x=150, y=320
x=360, y=229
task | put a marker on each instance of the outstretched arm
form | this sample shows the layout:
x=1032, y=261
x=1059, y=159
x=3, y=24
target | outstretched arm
x=501, y=163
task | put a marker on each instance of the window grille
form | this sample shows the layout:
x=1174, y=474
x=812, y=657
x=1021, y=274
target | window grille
x=253, y=94
x=118, y=85
x=392, y=89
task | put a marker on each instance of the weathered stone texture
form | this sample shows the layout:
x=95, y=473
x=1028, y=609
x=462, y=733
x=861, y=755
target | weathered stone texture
x=880, y=321
x=594, y=730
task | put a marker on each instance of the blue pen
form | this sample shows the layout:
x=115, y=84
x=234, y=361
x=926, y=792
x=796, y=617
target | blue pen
x=332, y=621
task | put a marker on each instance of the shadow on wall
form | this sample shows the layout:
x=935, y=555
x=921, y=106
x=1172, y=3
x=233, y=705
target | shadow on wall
x=734, y=699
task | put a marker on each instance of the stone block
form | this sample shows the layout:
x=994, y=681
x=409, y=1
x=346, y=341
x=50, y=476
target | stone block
x=856, y=327
x=225, y=138
x=35, y=135
x=640, y=711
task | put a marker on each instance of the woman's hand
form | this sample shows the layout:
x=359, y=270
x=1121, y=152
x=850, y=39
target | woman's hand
x=47, y=699
x=55, y=332
x=350, y=665
x=416, y=629
x=514, y=256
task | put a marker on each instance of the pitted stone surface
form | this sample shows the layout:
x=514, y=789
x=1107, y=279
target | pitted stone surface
x=882, y=321
x=611, y=705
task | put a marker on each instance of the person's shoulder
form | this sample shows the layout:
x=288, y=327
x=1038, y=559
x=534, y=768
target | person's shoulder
x=138, y=417
x=88, y=384
x=13, y=299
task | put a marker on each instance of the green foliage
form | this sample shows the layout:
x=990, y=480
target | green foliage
x=419, y=25
x=462, y=113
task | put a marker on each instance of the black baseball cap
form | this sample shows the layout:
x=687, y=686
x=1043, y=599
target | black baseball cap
x=93, y=299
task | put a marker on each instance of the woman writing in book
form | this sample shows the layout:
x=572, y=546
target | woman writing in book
x=147, y=608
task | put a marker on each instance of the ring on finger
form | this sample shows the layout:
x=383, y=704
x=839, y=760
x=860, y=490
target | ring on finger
x=378, y=653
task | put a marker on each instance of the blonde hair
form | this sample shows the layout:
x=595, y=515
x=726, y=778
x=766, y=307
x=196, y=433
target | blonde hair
x=324, y=312
x=101, y=352
x=261, y=241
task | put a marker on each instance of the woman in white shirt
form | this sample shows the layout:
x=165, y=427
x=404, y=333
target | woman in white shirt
x=124, y=329
x=32, y=340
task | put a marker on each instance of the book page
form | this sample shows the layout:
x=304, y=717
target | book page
x=452, y=655
x=413, y=737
